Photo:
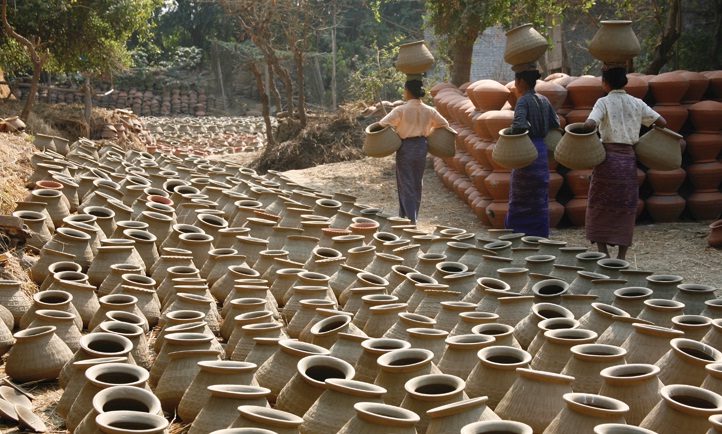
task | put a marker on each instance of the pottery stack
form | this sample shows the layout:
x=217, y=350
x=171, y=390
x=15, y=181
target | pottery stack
x=664, y=194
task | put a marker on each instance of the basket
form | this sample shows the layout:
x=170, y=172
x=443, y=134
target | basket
x=514, y=151
x=552, y=138
x=659, y=149
x=414, y=58
x=579, y=151
x=442, y=142
x=381, y=141
x=524, y=45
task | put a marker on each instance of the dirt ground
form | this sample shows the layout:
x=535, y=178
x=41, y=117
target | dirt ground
x=670, y=248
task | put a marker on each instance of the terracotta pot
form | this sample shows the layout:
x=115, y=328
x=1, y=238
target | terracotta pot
x=489, y=95
x=668, y=88
x=714, y=239
x=584, y=92
x=129, y=422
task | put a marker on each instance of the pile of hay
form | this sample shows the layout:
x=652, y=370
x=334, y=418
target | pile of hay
x=327, y=138
x=60, y=120
x=15, y=169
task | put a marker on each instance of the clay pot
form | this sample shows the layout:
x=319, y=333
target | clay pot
x=119, y=398
x=178, y=375
x=685, y=362
x=714, y=239
x=555, y=352
x=399, y=366
x=373, y=418
x=668, y=88
x=452, y=418
x=278, y=370
x=498, y=363
x=334, y=408
x=14, y=299
x=683, y=408
x=490, y=427
x=428, y=391
x=524, y=45
x=579, y=151
x=588, y=361
x=460, y=358
x=535, y=398
x=129, y=422
x=38, y=354
x=273, y=420
x=414, y=58
x=100, y=377
x=213, y=373
x=615, y=41
x=584, y=411
x=636, y=384
x=219, y=411
x=308, y=383
x=489, y=95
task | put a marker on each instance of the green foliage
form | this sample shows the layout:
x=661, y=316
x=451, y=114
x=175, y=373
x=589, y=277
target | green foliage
x=188, y=23
x=83, y=35
x=376, y=77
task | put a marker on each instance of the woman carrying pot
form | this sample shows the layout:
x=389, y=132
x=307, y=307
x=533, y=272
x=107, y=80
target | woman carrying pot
x=529, y=195
x=414, y=121
x=613, y=192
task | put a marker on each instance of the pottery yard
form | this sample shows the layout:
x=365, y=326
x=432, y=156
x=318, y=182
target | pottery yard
x=198, y=251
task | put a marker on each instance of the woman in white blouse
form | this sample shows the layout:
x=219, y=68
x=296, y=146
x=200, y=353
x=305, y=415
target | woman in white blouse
x=613, y=193
x=414, y=121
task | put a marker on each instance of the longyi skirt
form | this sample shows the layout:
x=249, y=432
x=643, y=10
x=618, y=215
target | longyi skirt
x=613, y=197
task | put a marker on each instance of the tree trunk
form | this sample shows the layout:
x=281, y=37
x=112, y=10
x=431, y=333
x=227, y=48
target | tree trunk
x=460, y=52
x=300, y=86
x=39, y=61
x=272, y=87
x=270, y=55
x=670, y=34
x=270, y=140
x=333, y=61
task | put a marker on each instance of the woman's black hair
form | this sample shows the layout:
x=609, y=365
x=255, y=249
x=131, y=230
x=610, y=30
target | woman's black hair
x=616, y=78
x=530, y=77
x=415, y=88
